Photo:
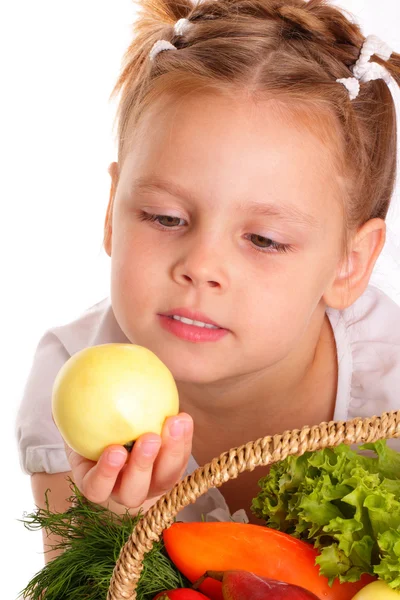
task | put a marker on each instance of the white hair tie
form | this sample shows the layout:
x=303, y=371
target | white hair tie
x=159, y=46
x=180, y=28
x=364, y=70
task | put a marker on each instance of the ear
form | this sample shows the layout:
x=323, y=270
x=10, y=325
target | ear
x=352, y=277
x=113, y=170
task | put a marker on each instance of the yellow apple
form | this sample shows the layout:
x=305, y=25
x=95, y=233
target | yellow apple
x=377, y=590
x=111, y=394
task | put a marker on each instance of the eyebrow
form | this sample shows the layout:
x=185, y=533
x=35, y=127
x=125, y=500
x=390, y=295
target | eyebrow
x=287, y=213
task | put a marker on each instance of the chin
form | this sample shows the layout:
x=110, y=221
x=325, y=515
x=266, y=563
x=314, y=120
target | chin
x=187, y=365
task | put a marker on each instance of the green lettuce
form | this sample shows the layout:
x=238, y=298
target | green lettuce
x=345, y=502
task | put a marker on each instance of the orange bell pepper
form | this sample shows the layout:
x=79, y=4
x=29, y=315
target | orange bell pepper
x=220, y=546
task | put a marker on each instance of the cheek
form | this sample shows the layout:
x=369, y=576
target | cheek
x=137, y=274
x=280, y=304
x=276, y=324
x=132, y=256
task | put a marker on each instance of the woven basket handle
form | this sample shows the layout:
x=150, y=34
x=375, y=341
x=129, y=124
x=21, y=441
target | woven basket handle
x=264, y=451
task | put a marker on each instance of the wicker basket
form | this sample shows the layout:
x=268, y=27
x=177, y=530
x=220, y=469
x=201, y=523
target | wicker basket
x=264, y=451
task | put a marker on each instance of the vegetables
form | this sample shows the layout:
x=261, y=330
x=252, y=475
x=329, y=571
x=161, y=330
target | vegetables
x=91, y=539
x=244, y=585
x=346, y=503
x=180, y=594
x=198, y=547
x=111, y=394
x=377, y=590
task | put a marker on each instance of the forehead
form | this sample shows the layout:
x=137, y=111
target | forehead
x=223, y=146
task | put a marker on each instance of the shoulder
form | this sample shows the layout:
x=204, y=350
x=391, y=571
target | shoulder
x=368, y=343
x=375, y=317
x=370, y=325
x=96, y=325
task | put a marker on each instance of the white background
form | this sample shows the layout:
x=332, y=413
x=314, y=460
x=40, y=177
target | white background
x=59, y=62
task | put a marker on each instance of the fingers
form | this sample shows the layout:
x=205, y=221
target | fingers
x=79, y=465
x=153, y=467
x=132, y=487
x=98, y=483
x=156, y=463
x=96, y=480
x=174, y=454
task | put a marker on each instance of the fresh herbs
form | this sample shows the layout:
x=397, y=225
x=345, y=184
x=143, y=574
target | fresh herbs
x=92, y=538
x=344, y=502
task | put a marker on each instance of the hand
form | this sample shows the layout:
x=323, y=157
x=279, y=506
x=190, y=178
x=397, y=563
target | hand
x=132, y=479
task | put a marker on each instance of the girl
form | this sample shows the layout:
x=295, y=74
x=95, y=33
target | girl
x=256, y=163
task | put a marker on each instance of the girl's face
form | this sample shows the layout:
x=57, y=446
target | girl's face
x=224, y=208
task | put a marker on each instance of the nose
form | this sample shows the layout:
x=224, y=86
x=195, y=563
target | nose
x=200, y=266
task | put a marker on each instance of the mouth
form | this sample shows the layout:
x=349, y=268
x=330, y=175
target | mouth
x=192, y=317
x=193, y=328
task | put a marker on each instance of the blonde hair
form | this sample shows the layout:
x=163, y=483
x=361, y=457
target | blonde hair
x=288, y=50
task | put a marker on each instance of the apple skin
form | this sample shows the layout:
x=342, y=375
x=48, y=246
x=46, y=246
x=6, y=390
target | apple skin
x=377, y=590
x=112, y=394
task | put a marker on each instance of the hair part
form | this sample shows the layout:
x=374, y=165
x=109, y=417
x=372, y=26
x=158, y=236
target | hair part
x=288, y=51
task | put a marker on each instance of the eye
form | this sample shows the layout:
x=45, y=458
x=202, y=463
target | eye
x=165, y=221
x=264, y=244
x=260, y=243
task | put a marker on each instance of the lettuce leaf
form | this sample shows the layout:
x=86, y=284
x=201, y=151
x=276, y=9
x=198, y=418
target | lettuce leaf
x=345, y=502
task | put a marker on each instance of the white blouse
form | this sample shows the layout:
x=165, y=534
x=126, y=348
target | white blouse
x=368, y=349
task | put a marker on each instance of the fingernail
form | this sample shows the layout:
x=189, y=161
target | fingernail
x=176, y=428
x=116, y=458
x=150, y=447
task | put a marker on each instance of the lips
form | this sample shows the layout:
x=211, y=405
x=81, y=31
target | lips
x=194, y=315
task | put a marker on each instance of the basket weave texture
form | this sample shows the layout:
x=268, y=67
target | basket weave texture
x=264, y=451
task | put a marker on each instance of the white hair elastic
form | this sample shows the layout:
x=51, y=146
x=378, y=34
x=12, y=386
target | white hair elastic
x=180, y=28
x=364, y=70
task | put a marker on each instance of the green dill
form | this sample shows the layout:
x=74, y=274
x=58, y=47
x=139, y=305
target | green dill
x=91, y=540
